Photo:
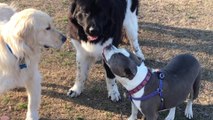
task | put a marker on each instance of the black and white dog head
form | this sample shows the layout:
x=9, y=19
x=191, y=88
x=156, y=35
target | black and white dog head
x=91, y=18
x=122, y=62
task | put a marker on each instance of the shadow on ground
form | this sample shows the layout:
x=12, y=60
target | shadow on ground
x=96, y=98
x=192, y=34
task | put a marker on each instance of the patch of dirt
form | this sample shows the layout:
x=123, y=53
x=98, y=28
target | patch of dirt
x=167, y=28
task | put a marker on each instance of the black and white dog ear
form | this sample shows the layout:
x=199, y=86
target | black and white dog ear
x=73, y=25
x=72, y=7
x=130, y=72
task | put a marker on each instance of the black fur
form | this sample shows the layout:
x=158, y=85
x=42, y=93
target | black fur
x=134, y=6
x=106, y=15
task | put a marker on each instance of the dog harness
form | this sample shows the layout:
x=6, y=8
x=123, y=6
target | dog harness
x=22, y=64
x=158, y=91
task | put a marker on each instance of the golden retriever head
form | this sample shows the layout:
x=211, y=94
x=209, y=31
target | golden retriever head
x=35, y=29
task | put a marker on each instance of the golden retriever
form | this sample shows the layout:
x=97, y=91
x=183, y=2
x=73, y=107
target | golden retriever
x=22, y=35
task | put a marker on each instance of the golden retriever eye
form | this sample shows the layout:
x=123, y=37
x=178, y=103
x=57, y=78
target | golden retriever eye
x=48, y=28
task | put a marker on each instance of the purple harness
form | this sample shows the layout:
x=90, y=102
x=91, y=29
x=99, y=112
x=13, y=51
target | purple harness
x=159, y=92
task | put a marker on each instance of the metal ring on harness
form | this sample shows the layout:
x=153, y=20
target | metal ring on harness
x=161, y=75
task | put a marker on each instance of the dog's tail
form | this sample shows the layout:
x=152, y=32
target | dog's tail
x=196, y=87
x=13, y=5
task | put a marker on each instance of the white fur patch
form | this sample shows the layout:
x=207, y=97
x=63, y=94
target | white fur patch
x=171, y=115
x=131, y=27
x=131, y=84
x=188, y=110
x=93, y=50
x=112, y=89
x=134, y=112
x=108, y=54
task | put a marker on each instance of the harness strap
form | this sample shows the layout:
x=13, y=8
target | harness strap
x=22, y=65
x=159, y=92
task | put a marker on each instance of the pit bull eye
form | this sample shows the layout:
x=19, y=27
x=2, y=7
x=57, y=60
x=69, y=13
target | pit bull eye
x=48, y=28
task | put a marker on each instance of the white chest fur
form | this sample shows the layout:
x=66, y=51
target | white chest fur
x=90, y=49
x=131, y=84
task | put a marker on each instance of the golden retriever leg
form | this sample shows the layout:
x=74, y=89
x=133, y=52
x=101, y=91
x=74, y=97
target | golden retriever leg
x=33, y=88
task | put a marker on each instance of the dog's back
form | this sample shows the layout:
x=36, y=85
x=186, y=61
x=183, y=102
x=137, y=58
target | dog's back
x=183, y=64
x=6, y=12
x=182, y=77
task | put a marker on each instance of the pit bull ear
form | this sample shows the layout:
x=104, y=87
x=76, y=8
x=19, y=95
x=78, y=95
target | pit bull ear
x=130, y=72
x=135, y=58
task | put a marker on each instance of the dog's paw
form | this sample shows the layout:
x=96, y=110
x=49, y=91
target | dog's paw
x=188, y=110
x=73, y=93
x=188, y=113
x=170, y=117
x=114, y=95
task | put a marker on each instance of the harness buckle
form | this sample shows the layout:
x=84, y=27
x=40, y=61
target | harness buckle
x=159, y=90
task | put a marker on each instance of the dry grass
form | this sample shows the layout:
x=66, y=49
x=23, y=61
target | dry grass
x=167, y=28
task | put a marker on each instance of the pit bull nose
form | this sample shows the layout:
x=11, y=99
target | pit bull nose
x=63, y=38
x=109, y=47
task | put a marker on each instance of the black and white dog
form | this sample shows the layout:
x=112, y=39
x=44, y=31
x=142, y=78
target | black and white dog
x=151, y=92
x=93, y=25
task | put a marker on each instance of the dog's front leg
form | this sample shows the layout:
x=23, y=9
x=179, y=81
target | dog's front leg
x=171, y=115
x=83, y=65
x=33, y=87
x=134, y=112
x=112, y=87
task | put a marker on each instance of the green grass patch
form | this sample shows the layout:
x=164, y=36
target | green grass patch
x=5, y=100
x=21, y=106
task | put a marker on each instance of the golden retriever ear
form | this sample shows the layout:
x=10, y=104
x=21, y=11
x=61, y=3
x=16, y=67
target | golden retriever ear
x=23, y=28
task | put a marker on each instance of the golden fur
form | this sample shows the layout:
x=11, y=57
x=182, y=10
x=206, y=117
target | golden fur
x=25, y=32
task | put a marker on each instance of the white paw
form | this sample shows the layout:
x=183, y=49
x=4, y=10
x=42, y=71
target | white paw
x=188, y=110
x=170, y=118
x=114, y=95
x=188, y=113
x=32, y=116
x=74, y=91
x=171, y=115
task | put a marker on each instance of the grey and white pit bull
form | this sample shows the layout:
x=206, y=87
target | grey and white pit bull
x=180, y=78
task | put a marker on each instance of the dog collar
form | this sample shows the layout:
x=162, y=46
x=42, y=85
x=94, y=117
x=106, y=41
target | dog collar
x=142, y=84
x=158, y=91
x=22, y=64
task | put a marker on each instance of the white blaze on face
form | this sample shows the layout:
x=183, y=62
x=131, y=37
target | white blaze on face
x=108, y=53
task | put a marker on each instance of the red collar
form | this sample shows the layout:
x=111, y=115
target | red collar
x=142, y=84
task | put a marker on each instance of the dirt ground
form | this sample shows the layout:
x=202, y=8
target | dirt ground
x=167, y=28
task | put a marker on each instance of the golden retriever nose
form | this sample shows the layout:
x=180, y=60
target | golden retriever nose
x=63, y=38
